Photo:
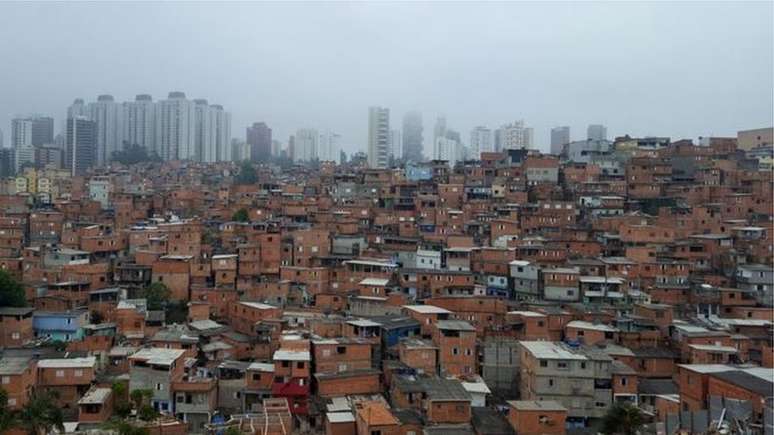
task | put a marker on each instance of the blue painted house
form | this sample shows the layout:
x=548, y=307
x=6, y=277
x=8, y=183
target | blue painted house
x=396, y=327
x=62, y=326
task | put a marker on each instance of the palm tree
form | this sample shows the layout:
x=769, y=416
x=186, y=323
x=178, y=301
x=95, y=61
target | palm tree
x=42, y=414
x=622, y=419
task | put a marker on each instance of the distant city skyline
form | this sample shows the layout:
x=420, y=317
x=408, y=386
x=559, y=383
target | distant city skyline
x=698, y=69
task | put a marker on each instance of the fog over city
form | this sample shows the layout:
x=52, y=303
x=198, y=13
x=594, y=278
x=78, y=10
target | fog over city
x=671, y=69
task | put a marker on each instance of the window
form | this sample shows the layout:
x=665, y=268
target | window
x=455, y=351
x=158, y=387
x=583, y=365
x=12, y=401
x=300, y=365
x=561, y=365
x=623, y=381
x=543, y=363
x=256, y=376
x=78, y=373
x=550, y=382
x=60, y=373
x=285, y=363
x=600, y=404
x=6, y=380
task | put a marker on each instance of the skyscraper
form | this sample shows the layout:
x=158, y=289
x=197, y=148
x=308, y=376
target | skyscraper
x=204, y=132
x=396, y=148
x=596, y=132
x=107, y=114
x=28, y=133
x=32, y=131
x=140, y=122
x=378, y=137
x=412, y=137
x=259, y=138
x=328, y=146
x=515, y=136
x=480, y=141
x=449, y=150
x=222, y=133
x=81, y=145
x=78, y=108
x=560, y=136
x=175, y=121
x=21, y=132
x=305, y=145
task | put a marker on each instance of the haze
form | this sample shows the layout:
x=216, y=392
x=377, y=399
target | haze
x=673, y=69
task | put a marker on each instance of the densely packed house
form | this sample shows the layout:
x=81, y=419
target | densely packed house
x=520, y=293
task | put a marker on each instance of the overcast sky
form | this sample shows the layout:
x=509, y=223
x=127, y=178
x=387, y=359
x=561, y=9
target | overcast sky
x=675, y=69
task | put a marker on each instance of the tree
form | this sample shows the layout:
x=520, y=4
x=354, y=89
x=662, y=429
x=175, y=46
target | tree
x=233, y=430
x=623, y=419
x=140, y=397
x=11, y=291
x=134, y=153
x=241, y=216
x=246, y=174
x=125, y=428
x=7, y=417
x=156, y=295
x=42, y=414
x=122, y=407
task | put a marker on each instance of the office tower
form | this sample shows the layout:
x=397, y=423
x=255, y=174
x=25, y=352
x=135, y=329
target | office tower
x=529, y=138
x=6, y=162
x=42, y=130
x=276, y=148
x=395, y=144
x=107, y=114
x=81, y=145
x=78, y=108
x=328, y=147
x=204, y=132
x=21, y=132
x=24, y=155
x=515, y=136
x=48, y=156
x=596, y=132
x=378, y=137
x=449, y=150
x=439, y=130
x=21, y=141
x=412, y=137
x=175, y=127
x=480, y=141
x=32, y=131
x=498, y=140
x=292, y=148
x=560, y=136
x=259, y=138
x=222, y=133
x=139, y=122
x=305, y=145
